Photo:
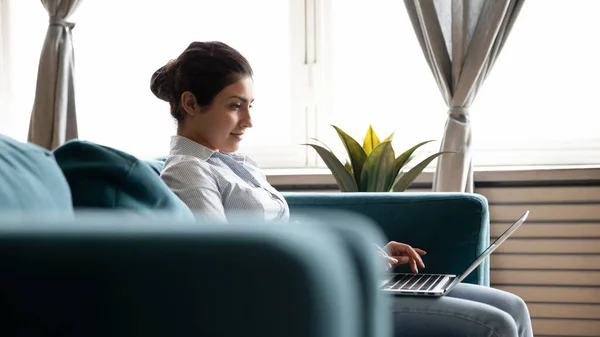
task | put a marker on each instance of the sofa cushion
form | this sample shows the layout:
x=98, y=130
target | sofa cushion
x=103, y=177
x=31, y=180
x=157, y=164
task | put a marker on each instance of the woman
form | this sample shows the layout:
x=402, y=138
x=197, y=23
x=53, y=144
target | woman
x=209, y=89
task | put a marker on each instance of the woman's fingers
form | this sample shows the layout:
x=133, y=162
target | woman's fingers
x=401, y=260
x=413, y=266
x=405, y=260
x=420, y=251
x=408, y=250
x=413, y=254
x=398, y=249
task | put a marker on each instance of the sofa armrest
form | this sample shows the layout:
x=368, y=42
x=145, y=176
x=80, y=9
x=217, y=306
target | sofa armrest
x=452, y=227
x=358, y=234
x=133, y=275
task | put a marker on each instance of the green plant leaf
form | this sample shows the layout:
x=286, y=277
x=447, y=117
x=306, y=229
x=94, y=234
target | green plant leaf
x=406, y=156
x=389, y=138
x=321, y=143
x=355, y=152
x=348, y=167
x=343, y=178
x=378, y=169
x=406, y=179
x=371, y=140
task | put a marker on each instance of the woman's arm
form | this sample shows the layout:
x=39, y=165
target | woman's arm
x=193, y=183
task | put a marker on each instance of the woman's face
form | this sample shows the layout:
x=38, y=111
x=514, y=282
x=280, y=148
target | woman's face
x=220, y=126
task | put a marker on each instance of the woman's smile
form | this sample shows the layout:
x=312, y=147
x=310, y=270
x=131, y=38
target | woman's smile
x=238, y=136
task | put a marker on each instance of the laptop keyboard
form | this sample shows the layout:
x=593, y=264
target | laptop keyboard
x=422, y=282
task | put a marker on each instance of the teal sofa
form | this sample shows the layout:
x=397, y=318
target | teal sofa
x=453, y=228
x=91, y=233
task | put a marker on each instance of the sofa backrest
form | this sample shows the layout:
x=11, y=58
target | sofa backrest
x=30, y=179
x=452, y=227
x=115, y=275
x=101, y=177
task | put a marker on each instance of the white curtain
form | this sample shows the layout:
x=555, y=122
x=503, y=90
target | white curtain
x=53, y=119
x=461, y=40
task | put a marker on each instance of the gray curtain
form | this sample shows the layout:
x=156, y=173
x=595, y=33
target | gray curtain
x=461, y=40
x=53, y=119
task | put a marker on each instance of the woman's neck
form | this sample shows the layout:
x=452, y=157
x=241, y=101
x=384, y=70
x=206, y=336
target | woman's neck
x=196, y=138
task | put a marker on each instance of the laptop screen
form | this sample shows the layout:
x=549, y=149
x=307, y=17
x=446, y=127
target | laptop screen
x=492, y=247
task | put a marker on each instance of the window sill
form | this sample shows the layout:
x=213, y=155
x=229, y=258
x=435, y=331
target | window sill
x=508, y=174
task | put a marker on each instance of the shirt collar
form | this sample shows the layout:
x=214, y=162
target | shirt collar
x=184, y=146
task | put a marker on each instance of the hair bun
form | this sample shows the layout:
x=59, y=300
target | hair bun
x=162, y=82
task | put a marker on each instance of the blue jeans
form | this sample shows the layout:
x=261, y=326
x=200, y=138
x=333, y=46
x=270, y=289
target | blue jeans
x=468, y=310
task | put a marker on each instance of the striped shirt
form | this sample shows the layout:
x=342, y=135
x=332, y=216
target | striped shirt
x=217, y=185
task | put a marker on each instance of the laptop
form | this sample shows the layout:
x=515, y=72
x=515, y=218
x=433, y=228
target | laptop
x=440, y=284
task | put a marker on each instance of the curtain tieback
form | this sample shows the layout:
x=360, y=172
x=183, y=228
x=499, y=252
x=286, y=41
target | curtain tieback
x=54, y=21
x=459, y=113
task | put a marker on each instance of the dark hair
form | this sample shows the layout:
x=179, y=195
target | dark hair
x=204, y=69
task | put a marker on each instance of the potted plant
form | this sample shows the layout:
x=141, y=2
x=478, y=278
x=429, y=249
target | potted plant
x=373, y=167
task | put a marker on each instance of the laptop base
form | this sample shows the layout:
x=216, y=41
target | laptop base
x=407, y=284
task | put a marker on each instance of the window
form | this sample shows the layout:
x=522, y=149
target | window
x=5, y=68
x=115, y=63
x=379, y=76
x=26, y=36
x=537, y=107
x=350, y=63
x=119, y=44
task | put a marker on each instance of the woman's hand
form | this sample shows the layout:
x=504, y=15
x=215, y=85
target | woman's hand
x=402, y=253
